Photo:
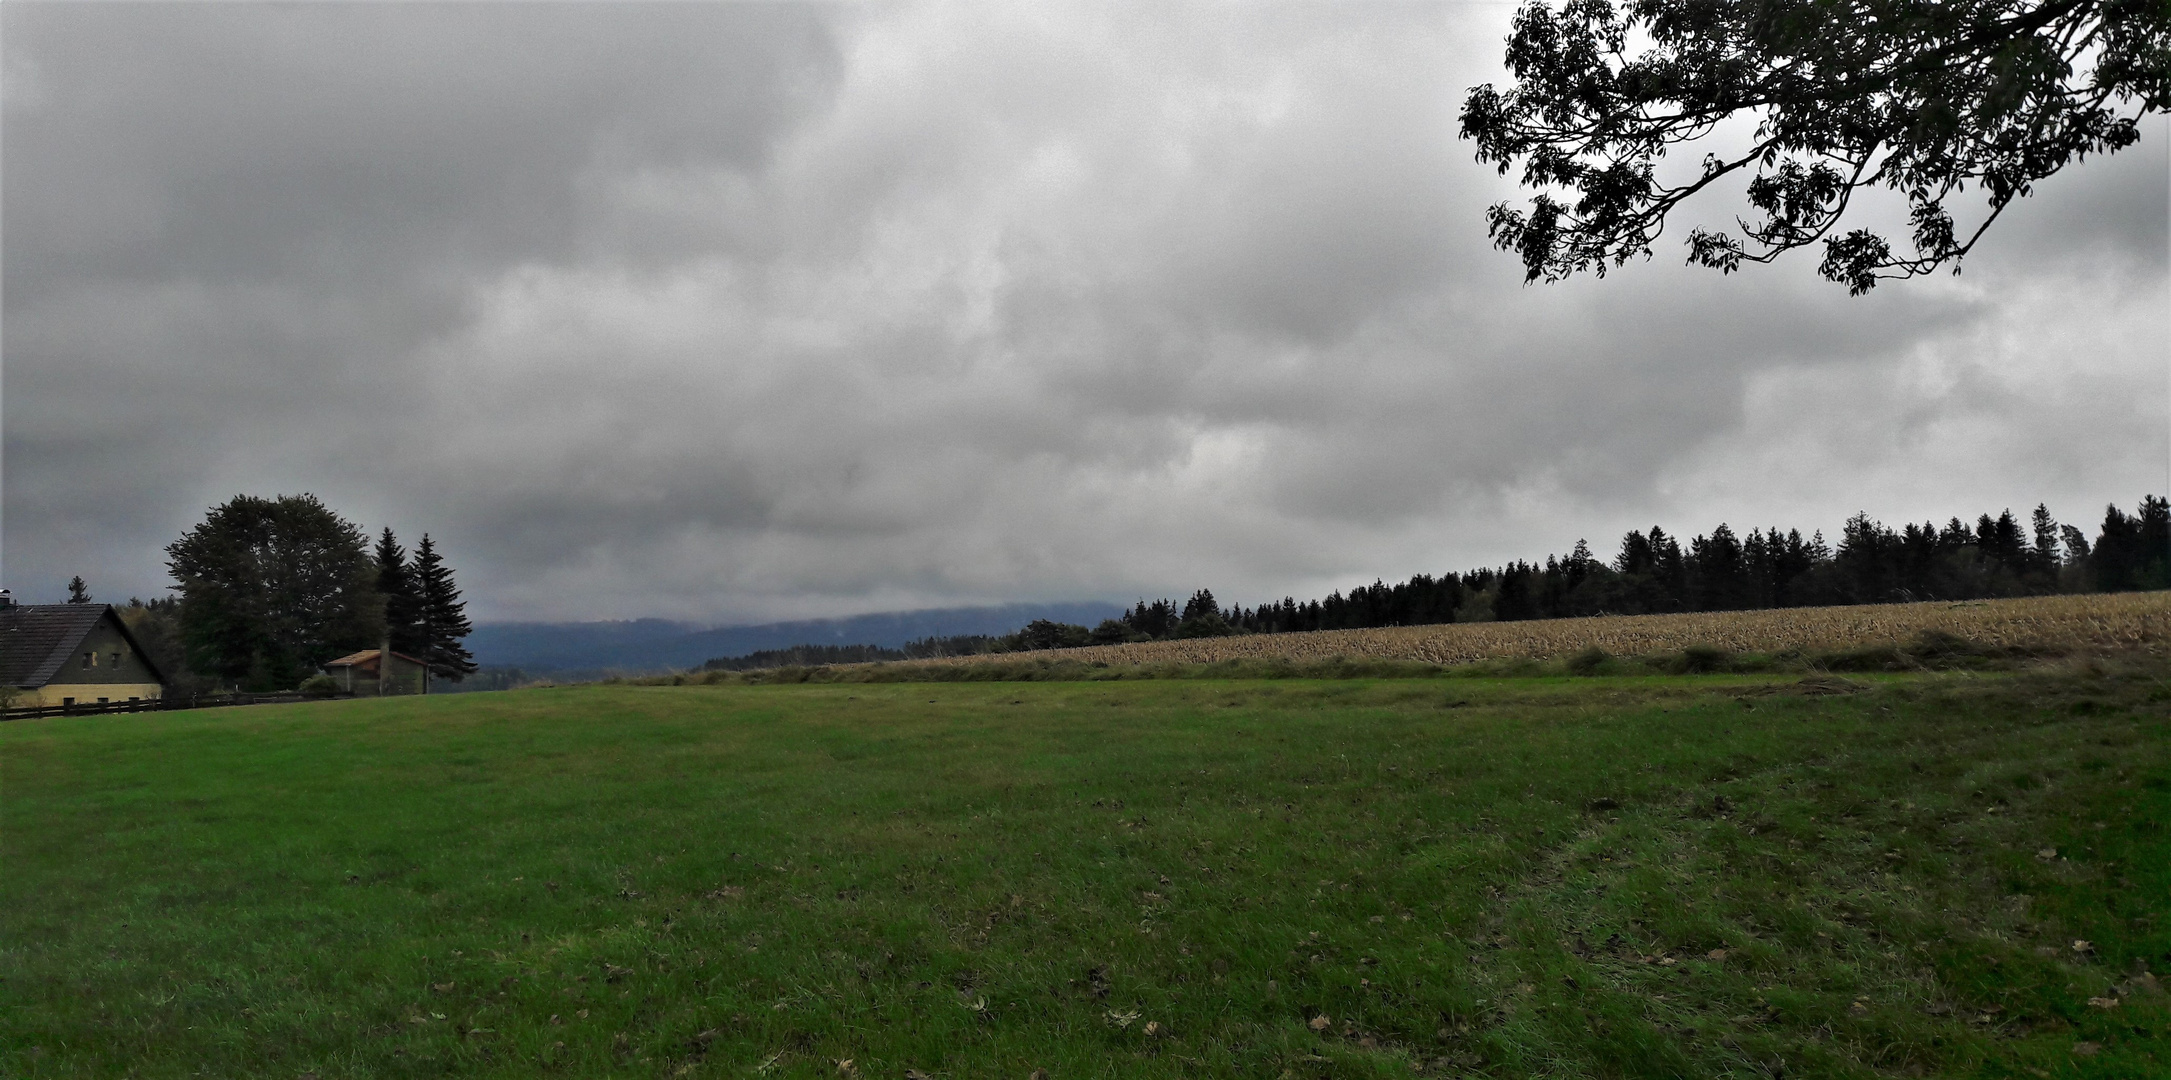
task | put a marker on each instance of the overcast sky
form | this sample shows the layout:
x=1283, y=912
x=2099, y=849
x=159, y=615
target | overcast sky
x=736, y=313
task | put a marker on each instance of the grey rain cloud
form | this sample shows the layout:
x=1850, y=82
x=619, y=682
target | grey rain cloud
x=734, y=312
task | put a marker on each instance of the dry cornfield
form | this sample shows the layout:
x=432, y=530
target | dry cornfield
x=2116, y=622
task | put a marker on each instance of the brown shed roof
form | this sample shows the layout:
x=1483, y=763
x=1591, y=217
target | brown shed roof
x=368, y=658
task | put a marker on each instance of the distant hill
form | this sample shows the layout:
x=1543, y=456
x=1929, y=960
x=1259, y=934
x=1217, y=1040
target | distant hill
x=651, y=645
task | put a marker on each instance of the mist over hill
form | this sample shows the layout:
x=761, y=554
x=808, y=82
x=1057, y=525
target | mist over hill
x=651, y=645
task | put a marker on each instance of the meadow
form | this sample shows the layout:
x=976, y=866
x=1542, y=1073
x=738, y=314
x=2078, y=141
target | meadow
x=1957, y=873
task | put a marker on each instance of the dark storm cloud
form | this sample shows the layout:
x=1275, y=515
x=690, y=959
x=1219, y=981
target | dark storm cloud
x=228, y=227
x=726, y=311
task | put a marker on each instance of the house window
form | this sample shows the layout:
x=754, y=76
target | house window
x=66, y=701
x=113, y=659
x=101, y=701
x=90, y=659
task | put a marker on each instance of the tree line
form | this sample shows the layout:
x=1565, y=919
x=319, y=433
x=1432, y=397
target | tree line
x=271, y=590
x=1653, y=572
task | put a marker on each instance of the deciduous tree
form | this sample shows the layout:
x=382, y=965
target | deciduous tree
x=1925, y=98
x=271, y=589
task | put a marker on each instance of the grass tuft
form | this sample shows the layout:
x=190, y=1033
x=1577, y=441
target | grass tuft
x=1588, y=662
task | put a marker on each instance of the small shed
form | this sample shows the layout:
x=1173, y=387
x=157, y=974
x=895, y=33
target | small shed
x=73, y=654
x=362, y=674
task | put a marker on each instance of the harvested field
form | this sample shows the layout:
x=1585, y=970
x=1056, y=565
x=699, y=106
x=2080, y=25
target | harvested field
x=2115, y=622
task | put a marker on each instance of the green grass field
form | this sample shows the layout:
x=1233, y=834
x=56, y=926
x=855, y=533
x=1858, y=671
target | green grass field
x=1653, y=876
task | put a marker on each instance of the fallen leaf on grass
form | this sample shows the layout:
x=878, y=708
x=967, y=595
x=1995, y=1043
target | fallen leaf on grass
x=2087, y=1049
x=1321, y=1023
x=2083, y=947
x=1715, y=954
x=1122, y=1019
x=2102, y=1003
x=915, y=1074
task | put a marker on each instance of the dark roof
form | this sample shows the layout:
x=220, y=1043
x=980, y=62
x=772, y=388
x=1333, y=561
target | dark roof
x=36, y=639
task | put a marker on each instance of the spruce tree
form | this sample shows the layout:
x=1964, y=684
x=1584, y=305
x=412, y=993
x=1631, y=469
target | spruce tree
x=1515, y=601
x=1798, y=559
x=2117, y=551
x=1636, y=556
x=1154, y=620
x=1202, y=617
x=2001, y=539
x=402, y=596
x=78, y=593
x=2152, y=562
x=2045, y=555
x=1670, y=570
x=442, y=615
x=1918, y=557
x=1716, y=566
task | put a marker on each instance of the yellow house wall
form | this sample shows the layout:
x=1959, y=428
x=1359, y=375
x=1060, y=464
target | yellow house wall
x=87, y=693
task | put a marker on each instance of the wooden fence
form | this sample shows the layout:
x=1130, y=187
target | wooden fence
x=164, y=704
